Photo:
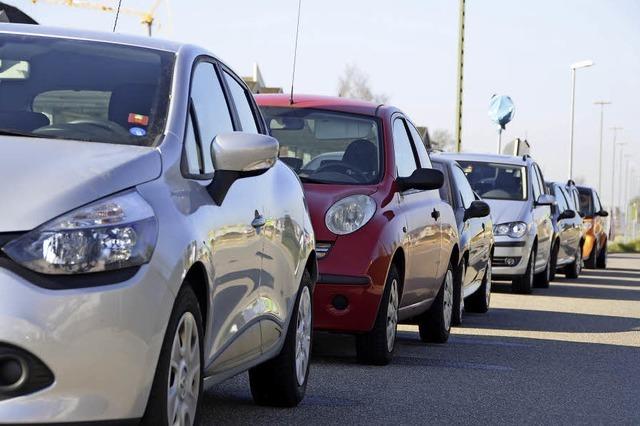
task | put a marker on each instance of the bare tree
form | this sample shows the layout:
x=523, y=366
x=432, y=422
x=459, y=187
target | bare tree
x=441, y=140
x=354, y=83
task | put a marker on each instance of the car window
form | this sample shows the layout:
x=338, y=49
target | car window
x=405, y=159
x=536, y=183
x=327, y=147
x=445, y=189
x=496, y=181
x=543, y=188
x=211, y=114
x=560, y=199
x=466, y=193
x=423, y=155
x=586, y=202
x=243, y=106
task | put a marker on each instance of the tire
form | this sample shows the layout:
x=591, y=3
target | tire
x=573, y=269
x=458, y=300
x=187, y=381
x=542, y=279
x=554, y=261
x=377, y=346
x=601, y=262
x=592, y=261
x=479, y=301
x=435, y=324
x=282, y=381
x=524, y=283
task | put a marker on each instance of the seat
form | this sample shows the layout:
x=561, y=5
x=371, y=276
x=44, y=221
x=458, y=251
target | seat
x=130, y=99
x=25, y=121
x=362, y=155
x=509, y=184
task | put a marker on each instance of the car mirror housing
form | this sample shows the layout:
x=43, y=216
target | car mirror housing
x=477, y=208
x=545, y=200
x=603, y=213
x=422, y=179
x=236, y=155
x=567, y=214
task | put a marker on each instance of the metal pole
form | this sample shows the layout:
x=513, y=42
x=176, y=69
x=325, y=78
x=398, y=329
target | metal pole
x=613, y=167
x=500, y=140
x=602, y=104
x=573, y=105
x=621, y=177
x=459, y=88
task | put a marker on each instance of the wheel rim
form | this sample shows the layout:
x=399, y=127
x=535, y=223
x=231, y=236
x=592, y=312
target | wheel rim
x=487, y=287
x=392, y=315
x=183, y=388
x=447, y=300
x=532, y=268
x=303, y=336
x=462, y=275
x=579, y=262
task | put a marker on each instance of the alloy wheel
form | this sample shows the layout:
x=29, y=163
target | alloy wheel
x=392, y=315
x=487, y=287
x=303, y=336
x=447, y=300
x=184, y=373
x=532, y=266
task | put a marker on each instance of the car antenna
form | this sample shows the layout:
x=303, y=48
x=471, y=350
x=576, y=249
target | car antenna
x=115, y=22
x=295, y=53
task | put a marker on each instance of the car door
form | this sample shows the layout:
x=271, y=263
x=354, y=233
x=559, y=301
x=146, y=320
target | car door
x=565, y=227
x=542, y=218
x=422, y=237
x=575, y=233
x=278, y=223
x=233, y=332
x=479, y=252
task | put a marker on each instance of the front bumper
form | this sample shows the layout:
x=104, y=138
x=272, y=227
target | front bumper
x=510, y=248
x=101, y=344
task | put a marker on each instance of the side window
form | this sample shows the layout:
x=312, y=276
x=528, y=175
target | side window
x=561, y=200
x=445, y=189
x=541, y=178
x=535, y=184
x=423, y=155
x=466, y=193
x=209, y=116
x=243, y=106
x=576, y=200
x=597, y=204
x=405, y=160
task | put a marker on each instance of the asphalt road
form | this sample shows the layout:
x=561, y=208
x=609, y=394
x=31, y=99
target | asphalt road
x=567, y=354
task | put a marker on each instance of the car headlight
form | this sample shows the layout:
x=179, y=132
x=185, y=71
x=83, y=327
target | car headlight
x=512, y=229
x=350, y=214
x=116, y=232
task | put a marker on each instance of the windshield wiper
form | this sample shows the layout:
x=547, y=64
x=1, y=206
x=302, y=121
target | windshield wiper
x=306, y=179
x=13, y=132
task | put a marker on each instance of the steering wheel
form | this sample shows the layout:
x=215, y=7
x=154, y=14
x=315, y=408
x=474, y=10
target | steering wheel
x=345, y=169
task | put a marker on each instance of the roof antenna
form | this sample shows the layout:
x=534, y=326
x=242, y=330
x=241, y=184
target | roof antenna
x=295, y=53
x=115, y=23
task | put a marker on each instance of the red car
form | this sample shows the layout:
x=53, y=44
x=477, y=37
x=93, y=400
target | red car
x=386, y=242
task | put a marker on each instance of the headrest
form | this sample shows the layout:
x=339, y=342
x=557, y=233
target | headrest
x=362, y=154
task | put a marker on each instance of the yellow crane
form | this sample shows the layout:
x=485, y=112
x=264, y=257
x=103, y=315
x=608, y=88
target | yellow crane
x=146, y=17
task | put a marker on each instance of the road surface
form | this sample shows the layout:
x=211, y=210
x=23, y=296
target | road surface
x=567, y=354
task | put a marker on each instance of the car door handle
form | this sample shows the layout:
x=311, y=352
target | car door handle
x=435, y=214
x=259, y=221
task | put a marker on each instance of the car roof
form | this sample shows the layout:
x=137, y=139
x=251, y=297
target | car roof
x=488, y=158
x=75, y=34
x=442, y=159
x=331, y=103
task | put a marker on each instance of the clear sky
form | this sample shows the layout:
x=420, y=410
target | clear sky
x=408, y=48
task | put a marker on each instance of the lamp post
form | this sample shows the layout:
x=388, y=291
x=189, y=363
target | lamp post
x=624, y=172
x=613, y=166
x=602, y=104
x=574, y=67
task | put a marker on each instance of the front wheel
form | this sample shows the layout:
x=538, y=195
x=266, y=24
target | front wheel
x=435, y=324
x=377, y=346
x=591, y=262
x=542, y=279
x=601, y=262
x=177, y=386
x=524, y=283
x=479, y=301
x=554, y=261
x=458, y=299
x=282, y=381
x=573, y=269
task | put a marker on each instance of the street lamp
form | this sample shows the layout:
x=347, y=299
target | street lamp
x=574, y=67
x=602, y=104
x=613, y=166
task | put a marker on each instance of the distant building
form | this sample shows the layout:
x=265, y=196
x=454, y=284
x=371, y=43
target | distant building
x=256, y=82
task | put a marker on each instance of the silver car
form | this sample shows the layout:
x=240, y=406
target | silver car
x=521, y=211
x=151, y=242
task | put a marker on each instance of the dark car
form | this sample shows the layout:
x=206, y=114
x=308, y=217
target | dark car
x=566, y=252
x=597, y=226
x=472, y=289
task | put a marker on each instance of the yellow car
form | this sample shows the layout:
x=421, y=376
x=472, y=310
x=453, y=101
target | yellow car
x=596, y=224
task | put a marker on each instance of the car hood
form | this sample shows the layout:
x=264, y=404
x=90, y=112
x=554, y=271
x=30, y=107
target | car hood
x=321, y=197
x=504, y=211
x=44, y=178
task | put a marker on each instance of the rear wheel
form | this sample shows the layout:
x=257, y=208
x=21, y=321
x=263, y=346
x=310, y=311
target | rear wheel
x=524, y=283
x=177, y=386
x=479, y=301
x=458, y=299
x=435, y=324
x=377, y=346
x=573, y=269
x=282, y=381
x=601, y=262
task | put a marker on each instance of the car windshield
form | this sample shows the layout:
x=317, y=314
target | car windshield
x=81, y=90
x=496, y=180
x=586, y=202
x=327, y=147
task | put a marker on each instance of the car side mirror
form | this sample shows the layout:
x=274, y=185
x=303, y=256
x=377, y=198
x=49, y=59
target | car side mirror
x=236, y=155
x=603, y=213
x=422, y=179
x=477, y=208
x=545, y=200
x=567, y=214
